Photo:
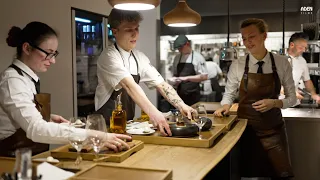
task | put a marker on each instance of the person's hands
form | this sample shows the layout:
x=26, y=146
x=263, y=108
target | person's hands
x=316, y=97
x=174, y=81
x=186, y=110
x=57, y=119
x=299, y=96
x=183, y=78
x=160, y=122
x=224, y=110
x=116, y=141
x=264, y=105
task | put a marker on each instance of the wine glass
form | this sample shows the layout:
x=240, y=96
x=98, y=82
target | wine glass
x=77, y=138
x=199, y=117
x=96, y=125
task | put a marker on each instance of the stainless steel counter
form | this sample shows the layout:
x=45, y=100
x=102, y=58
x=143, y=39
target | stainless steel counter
x=303, y=129
x=301, y=114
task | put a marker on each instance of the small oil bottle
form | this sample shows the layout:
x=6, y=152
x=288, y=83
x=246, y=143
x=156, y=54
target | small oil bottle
x=118, y=120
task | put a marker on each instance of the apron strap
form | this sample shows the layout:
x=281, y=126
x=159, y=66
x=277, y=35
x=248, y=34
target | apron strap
x=36, y=84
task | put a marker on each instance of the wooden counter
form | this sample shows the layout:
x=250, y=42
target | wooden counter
x=187, y=163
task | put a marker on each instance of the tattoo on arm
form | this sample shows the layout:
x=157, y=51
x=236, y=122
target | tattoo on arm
x=170, y=94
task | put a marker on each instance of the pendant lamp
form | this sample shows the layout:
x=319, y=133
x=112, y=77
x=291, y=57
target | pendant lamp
x=134, y=5
x=228, y=53
x=182, y=16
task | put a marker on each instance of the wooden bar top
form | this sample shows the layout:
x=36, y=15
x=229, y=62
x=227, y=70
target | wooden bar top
x=187, y=163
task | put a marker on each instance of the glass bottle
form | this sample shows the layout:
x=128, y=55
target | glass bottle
x=118, y=120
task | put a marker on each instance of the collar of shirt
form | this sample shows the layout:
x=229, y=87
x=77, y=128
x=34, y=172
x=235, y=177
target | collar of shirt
x=26, y=69
x=125, y=54
x=253, y=60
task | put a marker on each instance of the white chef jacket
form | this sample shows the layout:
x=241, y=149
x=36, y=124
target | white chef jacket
x=17, y=109
x=284, y=71
x=213, y=70
x=113, y=66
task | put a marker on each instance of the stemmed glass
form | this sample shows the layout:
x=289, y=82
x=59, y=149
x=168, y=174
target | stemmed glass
x=199, y=117
x=96, y=138
x=76, y=137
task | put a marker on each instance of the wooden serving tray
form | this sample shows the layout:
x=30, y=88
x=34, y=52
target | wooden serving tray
x=207, y=140
x=102, y=171
x=210, y=106
x=227, y=121
x=7, y=164
x=234, y=109
x=64, y=152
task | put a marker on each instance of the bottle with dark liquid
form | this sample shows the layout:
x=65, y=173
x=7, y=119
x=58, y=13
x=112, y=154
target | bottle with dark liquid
x=118, y=120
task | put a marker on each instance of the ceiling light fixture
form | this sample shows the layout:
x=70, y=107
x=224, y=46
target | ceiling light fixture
x=182, y=16
x=134, y=5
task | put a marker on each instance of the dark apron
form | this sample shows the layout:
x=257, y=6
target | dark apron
x=264, y=149
x=189, y=92
x=19, y=138
x=127, y=103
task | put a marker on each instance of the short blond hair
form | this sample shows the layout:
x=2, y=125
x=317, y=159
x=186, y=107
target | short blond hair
x=259, y=23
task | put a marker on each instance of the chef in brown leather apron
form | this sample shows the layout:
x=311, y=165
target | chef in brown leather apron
x=263, y=145
x=19, y=138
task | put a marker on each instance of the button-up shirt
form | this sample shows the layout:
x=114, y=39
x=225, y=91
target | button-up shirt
x=17, y=109
x=284, y=71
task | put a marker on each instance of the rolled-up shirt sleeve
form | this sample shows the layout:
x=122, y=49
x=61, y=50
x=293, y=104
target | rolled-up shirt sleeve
x=17, y=101
x=149, y=74
x=110, y=69
x=231, y=86
x=288, y=86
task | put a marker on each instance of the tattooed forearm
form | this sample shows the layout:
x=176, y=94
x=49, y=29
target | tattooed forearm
x=170, y=94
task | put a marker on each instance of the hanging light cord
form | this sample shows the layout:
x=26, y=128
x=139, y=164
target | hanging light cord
x=228, y=25
x=283, y=23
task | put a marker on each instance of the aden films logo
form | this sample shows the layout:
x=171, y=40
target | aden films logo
x=306, y=10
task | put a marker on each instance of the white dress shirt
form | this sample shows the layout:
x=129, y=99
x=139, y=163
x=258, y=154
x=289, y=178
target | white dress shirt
x=17, y=109
x=284, y=71
x=113, y=66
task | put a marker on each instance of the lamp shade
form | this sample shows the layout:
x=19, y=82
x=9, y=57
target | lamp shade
x=182, y=16
x=134, y=4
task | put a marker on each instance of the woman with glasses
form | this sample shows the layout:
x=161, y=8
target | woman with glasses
x=258, y=77
x=25, y=119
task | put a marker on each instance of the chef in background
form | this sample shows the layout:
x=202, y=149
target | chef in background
x=298, y=44
x=189, y=69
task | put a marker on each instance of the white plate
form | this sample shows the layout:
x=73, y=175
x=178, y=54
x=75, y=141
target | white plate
x=140, y=131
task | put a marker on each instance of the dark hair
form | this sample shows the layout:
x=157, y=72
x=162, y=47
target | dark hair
x=34, y=33
x=259, y=23
x=117, y=16
x=298, y=36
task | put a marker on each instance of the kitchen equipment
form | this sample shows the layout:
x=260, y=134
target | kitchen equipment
x=185, y=130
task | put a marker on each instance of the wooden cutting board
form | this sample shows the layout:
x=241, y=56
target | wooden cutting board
x=207, y=140
x=103, y=171
x=67, y=152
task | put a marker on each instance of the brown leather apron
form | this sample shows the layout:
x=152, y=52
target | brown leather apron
x=127, y=103
x=19, y=138
x=263, y=145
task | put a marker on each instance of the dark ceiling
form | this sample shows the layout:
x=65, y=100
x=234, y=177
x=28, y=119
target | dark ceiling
x=237, y=7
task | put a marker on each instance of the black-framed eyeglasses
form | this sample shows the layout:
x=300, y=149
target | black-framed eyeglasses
x=49, y=55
